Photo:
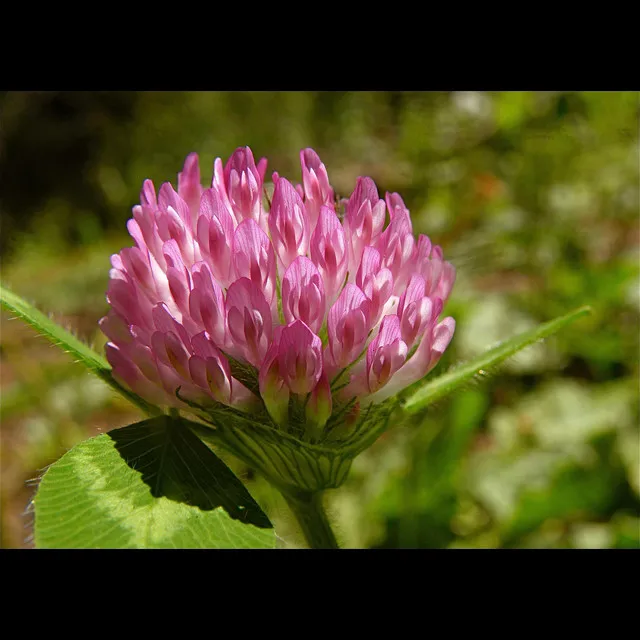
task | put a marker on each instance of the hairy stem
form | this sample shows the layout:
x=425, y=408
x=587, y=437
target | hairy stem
x=308, y=509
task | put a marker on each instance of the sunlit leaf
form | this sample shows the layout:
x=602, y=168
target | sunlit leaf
x=152, y=484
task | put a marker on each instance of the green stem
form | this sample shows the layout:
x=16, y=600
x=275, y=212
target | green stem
x=307, y=507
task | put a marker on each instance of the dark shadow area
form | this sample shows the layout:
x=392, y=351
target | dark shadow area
x=178, y=466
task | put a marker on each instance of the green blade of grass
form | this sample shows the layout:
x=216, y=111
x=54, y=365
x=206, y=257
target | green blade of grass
x=439, y=387
x=59, y=336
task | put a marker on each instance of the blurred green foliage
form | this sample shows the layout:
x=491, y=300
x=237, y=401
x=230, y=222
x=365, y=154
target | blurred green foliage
x=534, y=197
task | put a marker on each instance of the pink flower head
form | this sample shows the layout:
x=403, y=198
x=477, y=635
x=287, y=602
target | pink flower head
x=318, y=310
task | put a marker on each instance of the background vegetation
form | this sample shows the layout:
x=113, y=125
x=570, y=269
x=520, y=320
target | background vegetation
x=533, y=196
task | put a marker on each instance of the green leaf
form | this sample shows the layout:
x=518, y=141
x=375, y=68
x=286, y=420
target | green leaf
x=61, y=337
x=152, y=484
x=441, y=386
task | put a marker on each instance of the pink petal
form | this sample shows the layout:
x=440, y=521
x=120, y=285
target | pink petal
x=348, y=325
x=363, y=220
x=218, y=184
x=126, y=372
x=171, y=227
x=395, y=204
x=125, y=300
x=249, y=320
x=397, y=247
x=206, y=304
x=171, y=352
x=414, y=310
x=262, y=168
x=115, y=328
x=174, y=384
x=386, y=353
x=317, y=190
x=189, y=186
x=375, y=282
x=144, y=231
x=243, y=184
x=168, y=198
x=148, y=195
x=288, y=224
x=136, y=264
x=329, y=252
x=209, y=369
x=442, y=335
x=214, y=231
x=300, y=357
x=447, y=279
x=433, y=344
x=303, y=294
x=423, y=250
x=165, y=322
x=253, y=258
